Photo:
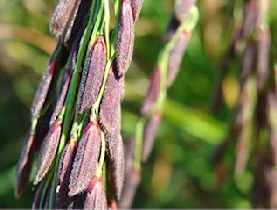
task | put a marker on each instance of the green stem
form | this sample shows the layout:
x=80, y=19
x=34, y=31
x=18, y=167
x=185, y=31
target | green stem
x=101, y=92
x=34, y=125
x=188, y=26
x=102, y=155
x=44, y=191
x=116, y=6
x=106, y=26
x=70, y=99
x=97, y=9
x=113, y=41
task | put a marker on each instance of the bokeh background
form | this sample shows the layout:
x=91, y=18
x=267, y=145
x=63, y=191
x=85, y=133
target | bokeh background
x=180, y=172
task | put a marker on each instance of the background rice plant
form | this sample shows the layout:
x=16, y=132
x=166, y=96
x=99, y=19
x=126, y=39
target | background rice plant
x=189, y=133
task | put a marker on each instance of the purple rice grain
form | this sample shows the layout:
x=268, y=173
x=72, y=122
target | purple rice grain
x=96, y=198
x=93, y=76
x=263, y=56
x=182, y=9
x=136, y=8
x=86, y=159
x=153, y=92
x=250, y=11
x=60, y=102
x=25, y=164
x=38, y=197
x=175, y=57
x=249, y=58
x=150, y=128
x=117, y=169
x=63, y=175
x=64, y=14
x=42, y=91
x=132, y=180
x=110, y=111
x=125, y=44
x=48, y=151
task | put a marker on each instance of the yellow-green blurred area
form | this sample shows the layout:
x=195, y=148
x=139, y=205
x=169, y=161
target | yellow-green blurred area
x=180, y=172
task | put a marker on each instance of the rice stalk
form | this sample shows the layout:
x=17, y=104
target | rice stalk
x=254, y=121
x=163, y=75
x=81, y=162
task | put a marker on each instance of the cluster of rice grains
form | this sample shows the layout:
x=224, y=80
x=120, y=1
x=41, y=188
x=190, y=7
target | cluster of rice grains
x=254, y=127
x=138, y=149
x=76, y=113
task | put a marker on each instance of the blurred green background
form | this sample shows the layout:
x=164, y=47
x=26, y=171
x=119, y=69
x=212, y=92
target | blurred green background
x=180, y=172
